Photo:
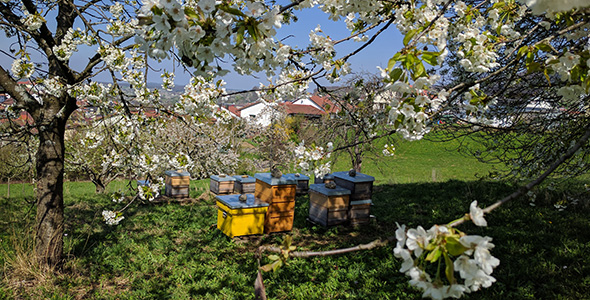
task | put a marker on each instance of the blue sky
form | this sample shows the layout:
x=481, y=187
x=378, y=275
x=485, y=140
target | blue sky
x=377, y=54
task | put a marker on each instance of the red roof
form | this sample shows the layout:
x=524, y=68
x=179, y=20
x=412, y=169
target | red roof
x=234, y=110
x=325, y=103
x=299, y=109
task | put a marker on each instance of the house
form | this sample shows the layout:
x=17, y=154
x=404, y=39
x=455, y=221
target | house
x=321, y=103
x=259, y=112
x=307, y=111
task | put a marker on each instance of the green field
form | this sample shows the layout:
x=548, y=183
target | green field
x=172, y=250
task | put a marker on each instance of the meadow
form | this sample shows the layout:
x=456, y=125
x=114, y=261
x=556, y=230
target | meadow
x=173, y=250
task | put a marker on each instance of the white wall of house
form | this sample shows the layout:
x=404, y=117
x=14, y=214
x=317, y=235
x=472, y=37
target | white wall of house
x=260, y=113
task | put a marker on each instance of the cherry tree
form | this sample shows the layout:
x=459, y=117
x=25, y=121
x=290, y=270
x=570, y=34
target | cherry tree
x=485, y=36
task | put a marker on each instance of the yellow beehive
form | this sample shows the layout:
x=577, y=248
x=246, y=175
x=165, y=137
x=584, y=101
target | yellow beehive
x=237, y=218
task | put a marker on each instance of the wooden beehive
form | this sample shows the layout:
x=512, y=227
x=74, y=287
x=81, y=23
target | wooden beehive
x=177, y=184
x=328, y=206
x=360, y=211
x=244, y=184
x=279, y=193
x=239, y=218
x=221, y=184
x=302, y=182
x=326, y=178
x=360, y=186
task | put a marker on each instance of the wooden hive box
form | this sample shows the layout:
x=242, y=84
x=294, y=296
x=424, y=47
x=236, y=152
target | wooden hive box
x=360, y=186
x=244, y=184
x=177, y=184
x=326, y=178
x=279, y=193
x=221, y=184
x=302, y=182
x=328, y=207
x=237, y=218
x=360, y=211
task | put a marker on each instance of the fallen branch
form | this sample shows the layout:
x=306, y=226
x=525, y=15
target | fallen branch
x=371, y=245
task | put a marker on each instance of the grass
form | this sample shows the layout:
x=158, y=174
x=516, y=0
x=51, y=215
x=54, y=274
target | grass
x=174, y=251
x=419, y=161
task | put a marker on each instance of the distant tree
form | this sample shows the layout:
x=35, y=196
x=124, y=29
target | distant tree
x=361, y=118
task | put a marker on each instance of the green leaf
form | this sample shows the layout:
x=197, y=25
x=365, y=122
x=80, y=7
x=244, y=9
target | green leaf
x=522, y=51
x=533, y=67
x=391, y=63
x=191, y=13
x=273, y=257
x=454, y=247
x=544, y=48
x=576, y=73
x=434, y=255
x=409, y=36
x=420, y=71
x=240, y=35
x=449, y=269
x=431, y=57
x=395, y=74
x=276, y=265
x=231, y=10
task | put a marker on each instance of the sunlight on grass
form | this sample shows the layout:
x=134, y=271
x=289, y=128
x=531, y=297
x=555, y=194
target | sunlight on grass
x=174, y=250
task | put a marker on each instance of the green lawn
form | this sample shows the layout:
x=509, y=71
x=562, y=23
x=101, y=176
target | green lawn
x=174, y=251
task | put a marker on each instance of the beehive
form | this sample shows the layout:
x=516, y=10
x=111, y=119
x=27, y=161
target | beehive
x=237, y=218
x=328, y=206
x=302, y=182
x=244, y=184
x=279, y=193
x=222, y=184
x=360, y=211
x=324, y=179
x=360, y=186
x=177, y=184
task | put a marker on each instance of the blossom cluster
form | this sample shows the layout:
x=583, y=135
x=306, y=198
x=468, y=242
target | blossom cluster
x=33, y=21
x=22, y=68
x=468, y=255
x=112, y=217
x=70, y=42
x=314, y=158
x=151, y=190
x=202, y=31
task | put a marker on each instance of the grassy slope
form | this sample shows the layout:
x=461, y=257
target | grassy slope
x=174, y=250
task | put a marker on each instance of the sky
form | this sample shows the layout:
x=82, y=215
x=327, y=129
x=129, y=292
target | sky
x=377, y=54
x=296, y=34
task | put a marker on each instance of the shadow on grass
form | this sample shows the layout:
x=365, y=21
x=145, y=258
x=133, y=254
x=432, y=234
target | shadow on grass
x=174, y=250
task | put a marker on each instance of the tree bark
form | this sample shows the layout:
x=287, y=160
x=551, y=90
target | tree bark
x=99, y=185
x=50, y=205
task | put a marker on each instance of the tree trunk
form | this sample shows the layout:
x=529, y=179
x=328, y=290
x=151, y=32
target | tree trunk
x=358, y=158
x=8, y=189
x=50, y=205
x=100, y=187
